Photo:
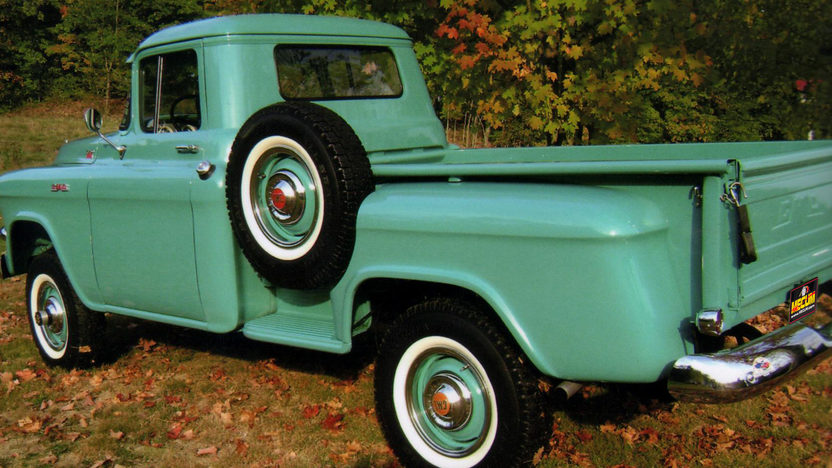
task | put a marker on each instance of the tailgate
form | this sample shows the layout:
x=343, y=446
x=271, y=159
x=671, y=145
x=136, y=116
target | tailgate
x=790, y=207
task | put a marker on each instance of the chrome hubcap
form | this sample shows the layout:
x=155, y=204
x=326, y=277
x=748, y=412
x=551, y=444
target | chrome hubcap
x=284, y=203
x=50, y=317
x=287, y=200
x=448, y=401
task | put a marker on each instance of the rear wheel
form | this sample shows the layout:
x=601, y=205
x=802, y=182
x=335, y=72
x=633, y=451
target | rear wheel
x=452, y=390
x=65, y=331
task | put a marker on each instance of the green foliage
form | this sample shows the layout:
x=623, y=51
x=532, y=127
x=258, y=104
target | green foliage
x=25, y=68
x=524, y=71
x=95, y=38
x=572, y=71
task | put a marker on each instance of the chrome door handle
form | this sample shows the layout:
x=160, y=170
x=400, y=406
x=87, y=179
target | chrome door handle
x=187, y=149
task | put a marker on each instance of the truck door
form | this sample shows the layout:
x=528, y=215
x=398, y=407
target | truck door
x=142, y=220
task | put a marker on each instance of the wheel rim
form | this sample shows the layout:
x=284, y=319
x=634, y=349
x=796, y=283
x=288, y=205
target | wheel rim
x=282, y=198
x=444, y=398
x=49, y=316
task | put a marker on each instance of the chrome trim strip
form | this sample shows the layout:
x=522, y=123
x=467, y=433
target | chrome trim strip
x=742, y=372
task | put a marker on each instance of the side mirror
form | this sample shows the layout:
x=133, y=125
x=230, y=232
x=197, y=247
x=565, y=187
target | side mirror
x=93, y=120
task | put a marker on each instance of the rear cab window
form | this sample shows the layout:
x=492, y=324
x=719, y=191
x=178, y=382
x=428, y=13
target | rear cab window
x=336, y=72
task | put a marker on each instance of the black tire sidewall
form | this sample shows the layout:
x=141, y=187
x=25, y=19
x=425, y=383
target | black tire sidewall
x=48, y=264
x=421, y=324
x=332, y=147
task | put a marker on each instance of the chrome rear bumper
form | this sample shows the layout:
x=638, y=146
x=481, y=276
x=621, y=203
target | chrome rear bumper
x=750, y=369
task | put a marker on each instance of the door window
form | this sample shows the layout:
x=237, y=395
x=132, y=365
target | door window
x=169, y=88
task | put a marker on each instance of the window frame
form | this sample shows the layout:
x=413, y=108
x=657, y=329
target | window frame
x=137, y=97
x=378, y=48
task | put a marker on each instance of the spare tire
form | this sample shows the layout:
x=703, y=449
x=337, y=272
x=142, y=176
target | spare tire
x=296, y=176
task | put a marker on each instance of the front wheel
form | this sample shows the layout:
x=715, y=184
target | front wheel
x=452, y=391
x=65, y=331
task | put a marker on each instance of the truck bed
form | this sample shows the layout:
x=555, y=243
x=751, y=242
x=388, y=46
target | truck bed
x=789, y=200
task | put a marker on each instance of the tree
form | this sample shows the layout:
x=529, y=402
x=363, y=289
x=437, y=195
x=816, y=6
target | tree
x=94, y=57
x=25, y=68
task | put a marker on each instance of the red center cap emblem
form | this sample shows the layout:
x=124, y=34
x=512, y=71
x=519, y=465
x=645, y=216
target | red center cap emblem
x=440, y=404
x=278, y=199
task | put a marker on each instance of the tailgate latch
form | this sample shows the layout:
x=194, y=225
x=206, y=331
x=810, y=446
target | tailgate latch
x=733, y=192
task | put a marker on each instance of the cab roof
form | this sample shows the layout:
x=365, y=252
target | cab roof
x=263, y=24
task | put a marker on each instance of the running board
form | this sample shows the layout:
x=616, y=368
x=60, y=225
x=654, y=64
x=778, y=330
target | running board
x=298, y=331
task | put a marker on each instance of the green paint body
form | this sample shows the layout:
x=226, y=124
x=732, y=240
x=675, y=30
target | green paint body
x=596, y=259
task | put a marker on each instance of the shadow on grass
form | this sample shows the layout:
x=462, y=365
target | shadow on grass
x=124, y=334
x=599, y=405
x=615, y=403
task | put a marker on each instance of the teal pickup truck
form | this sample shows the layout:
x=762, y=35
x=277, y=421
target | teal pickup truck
x=286, y=177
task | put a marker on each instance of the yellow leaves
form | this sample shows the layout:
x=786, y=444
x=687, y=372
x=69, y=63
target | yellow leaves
x=574, y=52
x=535, y=122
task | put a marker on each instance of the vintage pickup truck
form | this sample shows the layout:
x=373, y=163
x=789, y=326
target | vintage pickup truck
x=286, y=177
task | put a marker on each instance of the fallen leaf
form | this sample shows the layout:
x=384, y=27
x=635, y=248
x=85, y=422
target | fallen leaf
x=248, y=417
x=146, y=345
x=333, y=422
x=212, y=450
x=25, y=375
x=174, y=432
x=242, y=447
x=584, y=436
x=311, y=411
x=117, y=435
x=29, y=425
x=172, y=399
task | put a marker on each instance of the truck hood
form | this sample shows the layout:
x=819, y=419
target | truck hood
x=80, y=151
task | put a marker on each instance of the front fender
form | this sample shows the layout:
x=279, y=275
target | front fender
x=55, y=199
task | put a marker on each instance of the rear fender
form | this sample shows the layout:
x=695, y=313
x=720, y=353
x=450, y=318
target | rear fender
x=540, y=256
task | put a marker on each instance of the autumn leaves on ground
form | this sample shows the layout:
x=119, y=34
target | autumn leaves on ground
x=167, y=396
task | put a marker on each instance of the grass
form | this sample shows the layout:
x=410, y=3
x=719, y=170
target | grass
x=167, y=396
x=32, y=135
